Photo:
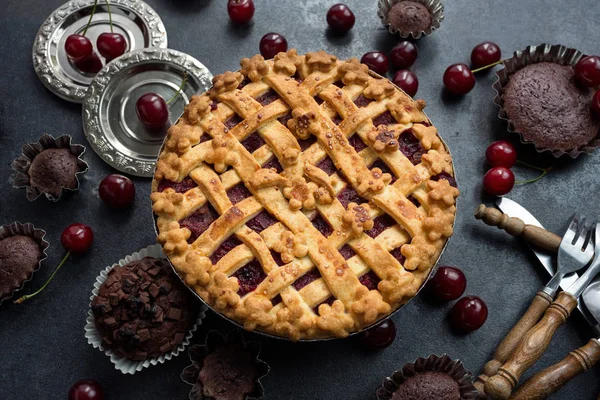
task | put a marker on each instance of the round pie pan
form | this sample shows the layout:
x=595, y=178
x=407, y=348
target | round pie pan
x=110, y=122
x=390, y=315
x=134, y=19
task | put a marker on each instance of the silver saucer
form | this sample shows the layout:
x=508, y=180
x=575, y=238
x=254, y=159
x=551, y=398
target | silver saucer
x=110, y=121
x=134, y=19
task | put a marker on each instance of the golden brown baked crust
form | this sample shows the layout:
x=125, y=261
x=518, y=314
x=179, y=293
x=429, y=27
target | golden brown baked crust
x=292, y=274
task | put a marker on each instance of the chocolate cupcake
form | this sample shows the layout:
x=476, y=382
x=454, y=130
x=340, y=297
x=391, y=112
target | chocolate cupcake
x=22, y=250
x=411, y=17
x=49, y=167
x=225, y=368
x=540, y=99
x=431, y=378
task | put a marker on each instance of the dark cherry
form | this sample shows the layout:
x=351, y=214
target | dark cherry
x=498, y=181
x=117, y=191
x=501, y=154
x=90, y=64
x=240, y=11
x=587, y=71
x=468, y=314
x=459, y=79
x=380, y=336
x=407, y=81
x=404, y=55
x=77, y=238
x=449, y=283
x=376, y=61
x=271, y=44
x=86, y=389
x=78, y=47
x=152, y=110
x=485, y=53
x=111, y=45
x=340, y=18
x=596, y=103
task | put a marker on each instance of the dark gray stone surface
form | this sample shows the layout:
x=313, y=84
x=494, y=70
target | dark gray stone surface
x=42, y=345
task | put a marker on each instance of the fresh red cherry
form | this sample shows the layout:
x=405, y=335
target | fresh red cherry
x=91, y=64
x=240, y=11
x=77, y=238
x=485, y=53
x=340, y=18
x=498, y=181
x=449, y=283
x=596, y=103
x=376, y=61
x=271, y=44
x=469, y=314
x=152, y=110
x=78, y=47
x=404, y=55
x=117, y=191
x=407, y=81
x=111, y=45
x=459, y=79
x=86, y=389
x=587, y=71
x=380, y=336
x=501, y=154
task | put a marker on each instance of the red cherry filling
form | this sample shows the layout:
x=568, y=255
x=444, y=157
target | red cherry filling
x=306, y=143
x=380, y=336
x=180, y=187
x=276, y=300
x=238, y=193
x=262, y=221
x=337, y=120
x=347, y=252
x=328, y=301
x=253, y=142
x=362, y=101
x=268, y=97
x=446, y=176
x=273, y=163
x=205, y=138
x=284, y=119
x=356, y=142
x=225, y=247
x=349, y=195
x=199, y=221
x=271, y=44
x=277, y=258
x=370, y=280
x=384, y=119
x=249, y=277
x=398, y=255
x=380, y=224
x=244, y=83
x=233, y=121
x=410, y=146
x=322, y=226
x=327, y=165
x=307, y=278
x=384, y=168
x=413, y=200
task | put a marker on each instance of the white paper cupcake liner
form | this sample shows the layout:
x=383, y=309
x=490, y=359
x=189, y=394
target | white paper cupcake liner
x=94, y=337
x=435, y=7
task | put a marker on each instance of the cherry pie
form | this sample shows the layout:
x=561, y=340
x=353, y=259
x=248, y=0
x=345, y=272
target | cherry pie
x=303, y=196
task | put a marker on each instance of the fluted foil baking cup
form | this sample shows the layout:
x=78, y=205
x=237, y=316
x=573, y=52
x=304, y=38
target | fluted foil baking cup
x=435, y=7
x=27, y=229
x=532, y=55
x=94, y=337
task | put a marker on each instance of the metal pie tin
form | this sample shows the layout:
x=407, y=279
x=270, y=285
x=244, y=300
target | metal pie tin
x=110, y=121
x=435, y=7
x=135, y=20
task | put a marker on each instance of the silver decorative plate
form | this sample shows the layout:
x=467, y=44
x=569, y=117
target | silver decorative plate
x=110, y=121
x=135, y=20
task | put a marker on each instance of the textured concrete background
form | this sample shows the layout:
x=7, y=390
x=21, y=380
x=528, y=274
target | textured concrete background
x=42, y=345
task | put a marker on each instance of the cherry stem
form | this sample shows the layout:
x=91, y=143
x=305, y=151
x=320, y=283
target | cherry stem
x=183, y=81
x=109, y=16
x=90, y=19
x=543, y=171
x=486, y=67
x=21, y=300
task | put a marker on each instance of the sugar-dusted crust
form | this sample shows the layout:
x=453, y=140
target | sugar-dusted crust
x=335, y=303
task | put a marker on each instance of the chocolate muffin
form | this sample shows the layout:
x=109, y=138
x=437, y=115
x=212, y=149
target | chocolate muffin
x=430, y=385
x=52, y=170
x=19, y=258
x=142, y=310
x=409, y=16
x=548, y=108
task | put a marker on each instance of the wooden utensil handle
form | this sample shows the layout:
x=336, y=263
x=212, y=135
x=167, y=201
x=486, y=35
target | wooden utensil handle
x=540, y=303
x=530, y=348
x=548, y=381
x=536, y=236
